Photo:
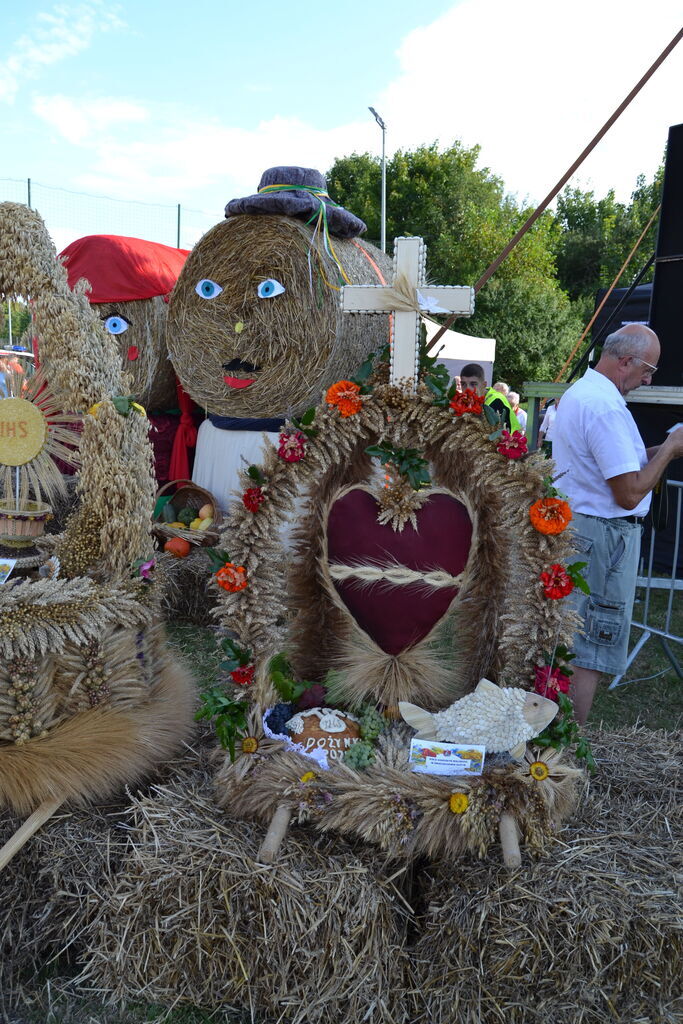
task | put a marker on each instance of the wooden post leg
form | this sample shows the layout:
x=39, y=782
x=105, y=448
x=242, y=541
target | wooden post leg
x=509, y=841
x=30, y=826
x=276, y=833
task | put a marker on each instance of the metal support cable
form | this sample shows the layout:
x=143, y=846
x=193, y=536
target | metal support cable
x=491, y=269
x=605, y=297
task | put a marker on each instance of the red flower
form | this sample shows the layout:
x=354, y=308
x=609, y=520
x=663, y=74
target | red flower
x=243, y=675
x=252, y=498
x=512, y=446
x=232, y=577
x=292, y=447
x=550, y=682
x=467, y=401
x=556, y=582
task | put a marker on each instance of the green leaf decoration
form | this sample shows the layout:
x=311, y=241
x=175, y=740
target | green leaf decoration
x=229, y=717
x=493, y=417
x=308, y=417
x=255, y=474
x=217, y=557
x=407, y=462
x=574, y=573
x=364, y=372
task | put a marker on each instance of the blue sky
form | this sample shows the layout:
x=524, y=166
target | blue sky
x=187, y=103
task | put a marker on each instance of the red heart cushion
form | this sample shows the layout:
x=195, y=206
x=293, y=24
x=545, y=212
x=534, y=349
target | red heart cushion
x=398, y=617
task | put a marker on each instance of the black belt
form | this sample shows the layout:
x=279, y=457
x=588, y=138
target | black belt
x=631, y=519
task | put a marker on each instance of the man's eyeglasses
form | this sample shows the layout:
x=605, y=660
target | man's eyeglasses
x=651, y=368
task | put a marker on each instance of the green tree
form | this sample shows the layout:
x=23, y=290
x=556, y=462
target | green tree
x=466, y=218
x=595, y=236
x=21, y=318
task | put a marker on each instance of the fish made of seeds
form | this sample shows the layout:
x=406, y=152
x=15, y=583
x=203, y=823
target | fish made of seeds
x=501, y=718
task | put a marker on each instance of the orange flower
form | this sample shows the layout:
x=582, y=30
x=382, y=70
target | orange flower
x=346, y=396
x=550, y=515
x=232, y=577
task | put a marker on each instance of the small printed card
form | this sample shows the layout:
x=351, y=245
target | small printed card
x=6, y=566
x=435, y=758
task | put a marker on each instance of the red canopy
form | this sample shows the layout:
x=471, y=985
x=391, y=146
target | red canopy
x=122, y=269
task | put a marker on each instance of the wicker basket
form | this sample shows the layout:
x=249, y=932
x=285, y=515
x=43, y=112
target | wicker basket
x=188, y=495
x=20, y=527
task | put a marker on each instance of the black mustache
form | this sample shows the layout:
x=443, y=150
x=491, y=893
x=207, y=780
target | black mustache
x=241, y=364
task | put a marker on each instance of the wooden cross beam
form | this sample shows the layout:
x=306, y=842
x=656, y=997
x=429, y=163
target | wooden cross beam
x=407, y=298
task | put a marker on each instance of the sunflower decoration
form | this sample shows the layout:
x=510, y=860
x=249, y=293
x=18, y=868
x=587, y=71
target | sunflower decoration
x=552, y=777
x=34, y=433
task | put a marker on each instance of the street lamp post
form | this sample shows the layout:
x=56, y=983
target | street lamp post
x=383, y=229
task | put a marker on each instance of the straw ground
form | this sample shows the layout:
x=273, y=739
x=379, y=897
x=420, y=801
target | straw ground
x=162, y=902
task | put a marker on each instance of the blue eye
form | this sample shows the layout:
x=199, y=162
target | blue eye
x=268, y=288
x=207, y=288
x=116, y=324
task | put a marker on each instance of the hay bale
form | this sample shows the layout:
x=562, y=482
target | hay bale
x=590, y=934
x=144, y=357
x=186, y=595
x=191, y=918
x=297, y=343
x=129, y=282
x=43, y=889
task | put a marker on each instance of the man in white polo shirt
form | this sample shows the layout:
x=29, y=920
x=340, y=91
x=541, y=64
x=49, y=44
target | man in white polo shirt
x=608, y=477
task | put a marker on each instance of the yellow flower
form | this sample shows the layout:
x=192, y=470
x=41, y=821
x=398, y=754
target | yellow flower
x=249, y=745
x=459, y=802
x=308, y=777
x=539, y=770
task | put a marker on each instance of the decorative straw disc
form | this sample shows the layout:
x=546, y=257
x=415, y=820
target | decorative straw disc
x=23, y=429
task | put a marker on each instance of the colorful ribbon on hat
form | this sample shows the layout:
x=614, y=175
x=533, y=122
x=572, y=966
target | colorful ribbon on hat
x=321, y=229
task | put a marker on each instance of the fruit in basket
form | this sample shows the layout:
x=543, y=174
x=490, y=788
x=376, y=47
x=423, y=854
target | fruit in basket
x=206, y=511
x=186, y=515
x=168, y=513
x=177, y=526
x=196, y=524
x=205, y=524
x=178, y=547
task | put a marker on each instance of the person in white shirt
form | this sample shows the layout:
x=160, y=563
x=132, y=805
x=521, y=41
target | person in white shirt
x=513, y=399
x=545, y=431
x=608, y=476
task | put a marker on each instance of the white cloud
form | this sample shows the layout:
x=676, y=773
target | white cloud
x=55, y=35
x=79, y=121
x=530, y=82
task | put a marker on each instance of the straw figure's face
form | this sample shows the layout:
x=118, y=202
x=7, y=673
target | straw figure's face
x=254, y=328
x=139, y=328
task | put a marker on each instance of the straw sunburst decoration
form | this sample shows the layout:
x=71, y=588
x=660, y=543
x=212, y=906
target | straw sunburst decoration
x=34, y=432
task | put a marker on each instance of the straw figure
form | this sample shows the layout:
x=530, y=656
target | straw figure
x=407, y=589
x=89, y=699
x=129, y=283
x=255, y=329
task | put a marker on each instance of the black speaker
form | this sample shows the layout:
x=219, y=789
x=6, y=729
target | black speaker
x=666, y=311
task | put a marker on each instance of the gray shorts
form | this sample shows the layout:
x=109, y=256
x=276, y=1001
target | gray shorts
x=612, y=549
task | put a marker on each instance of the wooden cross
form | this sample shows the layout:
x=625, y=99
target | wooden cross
x=407, y=298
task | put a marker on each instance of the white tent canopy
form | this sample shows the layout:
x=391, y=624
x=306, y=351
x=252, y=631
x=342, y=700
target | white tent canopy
x=455, y=350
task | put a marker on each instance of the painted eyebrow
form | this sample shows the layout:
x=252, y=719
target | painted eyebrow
x=104, y=317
